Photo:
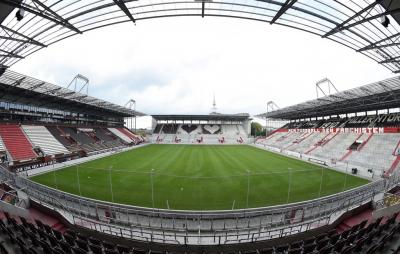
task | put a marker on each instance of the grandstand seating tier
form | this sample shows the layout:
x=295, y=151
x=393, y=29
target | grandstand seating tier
x=42, y=138
x=16, y=143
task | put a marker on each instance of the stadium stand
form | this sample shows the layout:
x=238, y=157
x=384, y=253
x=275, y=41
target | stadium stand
x=121, y=135
x=64, y=138
x=16, y=143
x=380, y=147
x=201, y=129
x=360, y=136
x=189, y=128
x=370, y=27
x=109, y=139
x=211, y=129
x=338, y=148
x=368, y=236
x=136, y=139
x=308, y=143
x=105, y=135
x=80, y=137
x=42, y=138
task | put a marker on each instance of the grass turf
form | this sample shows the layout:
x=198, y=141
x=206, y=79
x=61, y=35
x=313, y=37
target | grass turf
x=199, y=177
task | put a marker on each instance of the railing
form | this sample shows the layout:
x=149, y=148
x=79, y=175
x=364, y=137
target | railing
x=199, y=227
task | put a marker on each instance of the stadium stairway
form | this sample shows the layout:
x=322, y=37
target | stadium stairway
x=329, y=138
x=287, y=140
x=365, y=142
x=270, y=140
x=120, y=135
x=394, y=165
x=269, y=135
x=337, y=148
x=346, y=155
x=129, y=134
x=302, y=137
x=105, y=135
x=378, y=146
x=16, y=143
x=349, y=151
x=79, y=136
x=157, y=129
x=61, y=136
x=396, y=162
x=308, y=142
x=318, y=143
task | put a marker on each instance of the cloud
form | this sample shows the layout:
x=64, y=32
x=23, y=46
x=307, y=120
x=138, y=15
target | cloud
x=175, y=65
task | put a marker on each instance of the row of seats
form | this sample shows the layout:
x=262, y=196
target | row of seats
x=380, y=236
x=135, y=138
x=185, y=129
x=16, y=143
x=35, y=237
x=375, y=152
x=41, y=137
x=27, y=142
x=121, y=135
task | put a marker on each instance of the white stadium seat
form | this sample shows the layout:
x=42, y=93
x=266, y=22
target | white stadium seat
x=41, y=137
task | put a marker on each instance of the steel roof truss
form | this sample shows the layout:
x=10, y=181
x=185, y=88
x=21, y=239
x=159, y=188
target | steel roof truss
x=124, y=8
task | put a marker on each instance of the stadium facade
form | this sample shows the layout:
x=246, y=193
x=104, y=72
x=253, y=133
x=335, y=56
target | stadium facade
x=45, y=127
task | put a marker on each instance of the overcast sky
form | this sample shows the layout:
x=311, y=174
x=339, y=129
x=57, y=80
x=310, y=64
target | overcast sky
x=174, y=65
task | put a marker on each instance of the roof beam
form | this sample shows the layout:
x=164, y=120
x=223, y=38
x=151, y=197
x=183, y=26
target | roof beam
x=10, y=54
x=366, y=90
x=42, y=13
x=67, y=94
x=391, y=12
x=203, y=5
x=18, y=82
x=36, y=86
x=340, y=27
x=387, y=89
x=53, y=90
x=29, y=40
x=121, y=4
x=380, y=46
x=91, y=100
x=390, y=60
x=64, y=22
x=373, y=45
x=13, y=39
x=79, y=97
x=286, y=6
x=337, y=97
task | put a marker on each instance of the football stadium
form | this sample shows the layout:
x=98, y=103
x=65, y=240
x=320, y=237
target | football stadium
x=77, y=176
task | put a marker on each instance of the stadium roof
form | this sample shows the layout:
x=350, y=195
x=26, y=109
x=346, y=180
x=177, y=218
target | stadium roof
x=355, y=24
x=380, y=95
x=18, y=88
x=211, y=117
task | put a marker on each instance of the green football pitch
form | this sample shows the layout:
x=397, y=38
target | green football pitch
x=199, y=177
